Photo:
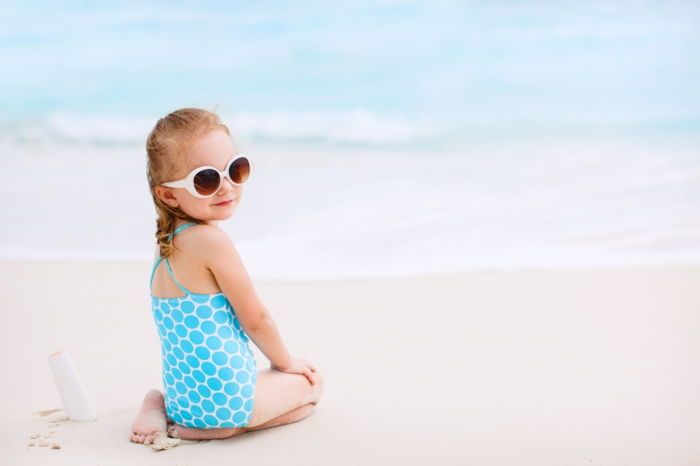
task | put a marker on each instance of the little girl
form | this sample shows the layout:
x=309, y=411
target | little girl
x=203, y=302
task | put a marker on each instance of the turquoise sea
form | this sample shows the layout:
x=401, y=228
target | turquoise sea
x=390, y=138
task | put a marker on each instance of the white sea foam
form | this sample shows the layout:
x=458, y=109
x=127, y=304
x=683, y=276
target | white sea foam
x=357, y=126
x=318, y=213
x=354, y=126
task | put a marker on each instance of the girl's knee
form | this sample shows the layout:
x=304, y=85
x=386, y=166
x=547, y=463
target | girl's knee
x=317, y=389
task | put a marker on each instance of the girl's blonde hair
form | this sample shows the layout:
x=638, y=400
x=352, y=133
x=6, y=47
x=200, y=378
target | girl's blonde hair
x=166, y=146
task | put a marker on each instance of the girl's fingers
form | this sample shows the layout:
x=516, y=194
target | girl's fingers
x=311, y=366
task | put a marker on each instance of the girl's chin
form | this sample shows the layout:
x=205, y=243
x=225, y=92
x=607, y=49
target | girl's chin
x=225, y=214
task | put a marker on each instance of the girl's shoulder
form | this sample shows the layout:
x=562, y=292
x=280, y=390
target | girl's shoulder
x=203, y=240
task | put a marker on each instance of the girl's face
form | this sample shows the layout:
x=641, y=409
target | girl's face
x=215, y=148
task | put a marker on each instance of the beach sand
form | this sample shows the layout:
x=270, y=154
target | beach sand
x=532, y=367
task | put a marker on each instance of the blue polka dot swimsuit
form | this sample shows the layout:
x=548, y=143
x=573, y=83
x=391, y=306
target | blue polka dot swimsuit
x=209, y=371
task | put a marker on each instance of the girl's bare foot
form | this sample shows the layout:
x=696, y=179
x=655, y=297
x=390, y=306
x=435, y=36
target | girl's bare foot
x=151, y=422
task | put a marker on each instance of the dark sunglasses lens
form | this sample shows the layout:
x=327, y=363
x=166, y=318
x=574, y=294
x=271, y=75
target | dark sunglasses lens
x=206, y=182
x=240, y=170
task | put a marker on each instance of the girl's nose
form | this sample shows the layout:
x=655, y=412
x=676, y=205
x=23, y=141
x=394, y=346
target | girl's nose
x=227, y=186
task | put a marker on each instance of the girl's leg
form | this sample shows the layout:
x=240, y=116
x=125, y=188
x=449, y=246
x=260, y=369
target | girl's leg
x=280, y=398
x=294, y=415
x=278, y=394
x=191, y=433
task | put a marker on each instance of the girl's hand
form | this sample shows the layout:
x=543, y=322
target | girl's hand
x=300, y=366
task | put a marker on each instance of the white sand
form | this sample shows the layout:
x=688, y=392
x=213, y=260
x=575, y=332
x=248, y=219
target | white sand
x=556, y=367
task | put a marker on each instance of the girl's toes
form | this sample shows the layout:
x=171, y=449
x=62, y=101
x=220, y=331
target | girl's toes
x=172, y=431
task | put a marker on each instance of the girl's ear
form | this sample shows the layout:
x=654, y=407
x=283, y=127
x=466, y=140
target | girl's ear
x=166, y=195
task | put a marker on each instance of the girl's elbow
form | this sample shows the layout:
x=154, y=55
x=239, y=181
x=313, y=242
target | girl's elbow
x=258, y=322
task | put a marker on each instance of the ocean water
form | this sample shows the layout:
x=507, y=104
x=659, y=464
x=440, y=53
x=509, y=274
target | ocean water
x=388, y=138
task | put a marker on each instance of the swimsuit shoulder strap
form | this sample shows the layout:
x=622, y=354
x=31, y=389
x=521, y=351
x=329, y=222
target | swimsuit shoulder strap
x=180, y=228
x=167, y=262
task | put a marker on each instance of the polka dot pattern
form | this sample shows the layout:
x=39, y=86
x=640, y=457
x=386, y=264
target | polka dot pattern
x=209, y=371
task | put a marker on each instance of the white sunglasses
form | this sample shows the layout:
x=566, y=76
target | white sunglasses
x=203, y=182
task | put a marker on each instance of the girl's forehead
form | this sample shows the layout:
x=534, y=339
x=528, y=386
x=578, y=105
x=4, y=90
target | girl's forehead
x=213, y=148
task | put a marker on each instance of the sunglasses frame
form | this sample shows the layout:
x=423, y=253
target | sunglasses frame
x=188, y=181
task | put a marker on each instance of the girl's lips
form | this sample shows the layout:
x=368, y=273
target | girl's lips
x=225, y=203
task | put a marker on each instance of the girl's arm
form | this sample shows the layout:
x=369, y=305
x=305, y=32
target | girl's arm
x=222, y=258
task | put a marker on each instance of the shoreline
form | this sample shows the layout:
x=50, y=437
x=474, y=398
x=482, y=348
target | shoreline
x=6, y=262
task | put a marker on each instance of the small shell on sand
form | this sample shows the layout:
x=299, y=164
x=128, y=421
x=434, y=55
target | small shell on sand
x=163, y=442
x=55, y=446
x=43, y=444
x=31, y=444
